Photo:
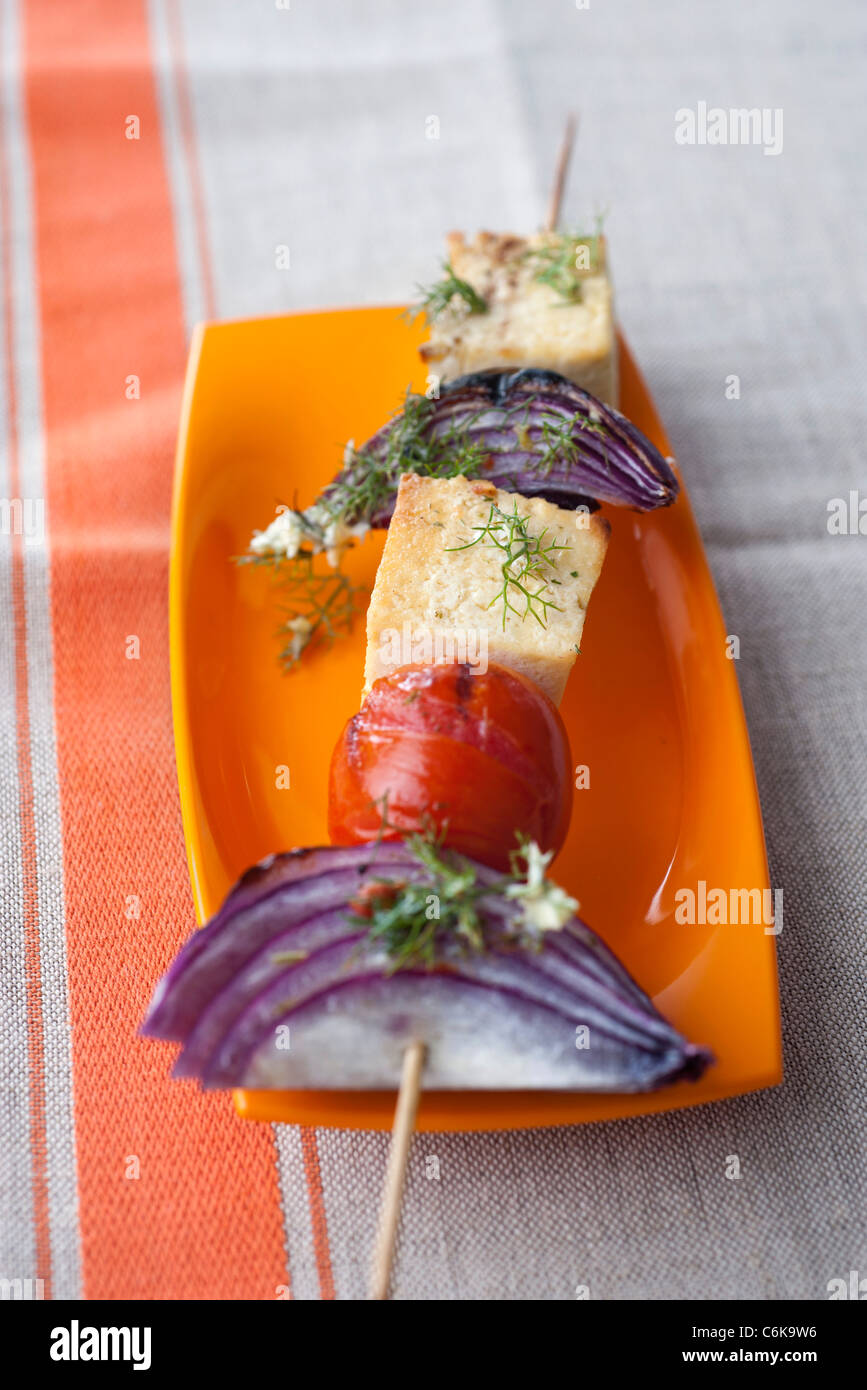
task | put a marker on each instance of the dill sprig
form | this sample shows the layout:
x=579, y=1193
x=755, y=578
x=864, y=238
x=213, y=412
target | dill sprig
x=435, y=298
x=370, y=477
x=527, y=563
x=556, y=263
x=559, y=441
x=412, y=919
x=319, y=602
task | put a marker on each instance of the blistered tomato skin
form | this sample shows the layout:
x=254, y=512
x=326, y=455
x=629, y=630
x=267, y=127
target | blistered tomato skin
x=478, y=756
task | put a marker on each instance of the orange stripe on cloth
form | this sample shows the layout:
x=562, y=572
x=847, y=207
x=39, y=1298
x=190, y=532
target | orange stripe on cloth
x=30, y=890
x=316, y=1199
x=178, y=1199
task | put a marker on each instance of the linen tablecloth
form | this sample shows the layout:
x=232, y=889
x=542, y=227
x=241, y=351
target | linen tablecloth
x=152, y=158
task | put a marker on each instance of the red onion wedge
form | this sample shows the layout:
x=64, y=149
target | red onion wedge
x=529, y=431
x=295, y=984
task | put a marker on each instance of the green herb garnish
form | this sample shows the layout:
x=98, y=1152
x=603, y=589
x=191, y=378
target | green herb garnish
x=319, y=602
x=564, y=263
x=436, y=298
x=413, y=920
x=559, y=442
x=370, y=479
x=526, y=564
x=407, y=919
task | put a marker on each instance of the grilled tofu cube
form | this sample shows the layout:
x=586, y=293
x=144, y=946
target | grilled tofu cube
x=549, y=304
x=472, y=573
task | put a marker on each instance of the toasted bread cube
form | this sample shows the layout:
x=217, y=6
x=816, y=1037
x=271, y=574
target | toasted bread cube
x=442, y=593
x=529, y=321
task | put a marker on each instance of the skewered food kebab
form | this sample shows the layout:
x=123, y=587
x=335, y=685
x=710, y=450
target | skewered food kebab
x=431, y=916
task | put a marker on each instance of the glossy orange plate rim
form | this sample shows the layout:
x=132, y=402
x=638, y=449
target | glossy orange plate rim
x=260, y=390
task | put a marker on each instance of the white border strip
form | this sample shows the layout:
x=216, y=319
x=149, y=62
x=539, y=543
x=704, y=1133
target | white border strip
x=61, y=1170
x=17, y=1235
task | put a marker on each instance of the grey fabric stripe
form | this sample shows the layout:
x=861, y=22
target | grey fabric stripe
x=296, y=1213
x=180, y=181
x=353, y=1168
x=311, y=128
x=60, y=1134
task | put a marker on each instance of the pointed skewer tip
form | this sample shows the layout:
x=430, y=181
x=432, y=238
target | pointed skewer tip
x=392, y=1192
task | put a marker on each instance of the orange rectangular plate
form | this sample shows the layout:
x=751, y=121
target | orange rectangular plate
x=652, y=708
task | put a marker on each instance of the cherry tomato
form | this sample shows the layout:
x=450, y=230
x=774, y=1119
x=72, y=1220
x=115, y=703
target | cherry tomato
x=478, y=756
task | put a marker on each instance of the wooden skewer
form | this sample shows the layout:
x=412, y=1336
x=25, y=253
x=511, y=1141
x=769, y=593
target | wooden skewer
x=414, y=1056
x=392, y=1193
x=560, y=174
